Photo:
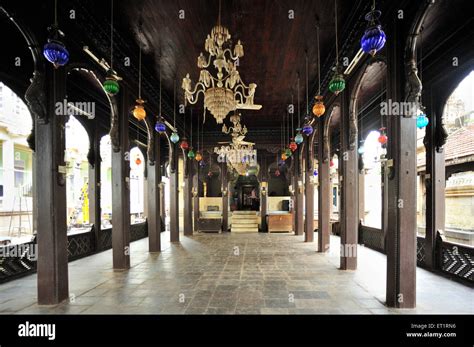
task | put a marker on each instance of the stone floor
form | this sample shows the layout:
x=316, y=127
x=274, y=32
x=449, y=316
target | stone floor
x=235, y=274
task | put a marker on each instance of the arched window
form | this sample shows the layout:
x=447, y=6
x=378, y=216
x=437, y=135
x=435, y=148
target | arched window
x=106, y=181
x=373, y=153
x=77, y=175
x=16, y=167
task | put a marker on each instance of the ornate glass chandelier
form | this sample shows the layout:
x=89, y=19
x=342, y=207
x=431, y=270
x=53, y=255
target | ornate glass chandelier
x=224, y=92
x=237, y=129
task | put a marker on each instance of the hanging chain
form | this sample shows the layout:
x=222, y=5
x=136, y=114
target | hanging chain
x=337, y=48
x=160, y=87
x=319, y=65
x=140, y=73
x=298, y=97
x=307, y=87
x=56, y=13
x=174, y=104
x=111, y=34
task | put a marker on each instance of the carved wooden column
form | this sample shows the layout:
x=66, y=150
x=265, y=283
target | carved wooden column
x=435, y=178
x=299, y=193
x=154, y=193
x=188, y=195
x=94, y=182
x=195, y=192
x=50, y=173
x=349, y=216
x=225, y=198
x=402, y=174
x=324, y=189
x=121, y=185
x=174, y=194
x=309, y=192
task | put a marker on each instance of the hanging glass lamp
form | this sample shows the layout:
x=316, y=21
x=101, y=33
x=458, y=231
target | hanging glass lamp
x=315, y=172
x=299, y=139
x=374, y=37
x=288, y=152
x=160, y=126
x=198, y=156
x=174, y=137
x=319, y=108
x=307, y=129
x=54, y=50
x=422, y=120
x=184, y=145
x=337, y=83
x=111, y=86
x=191, y=154
x=383, y=139
x=277, y=173
x=283, y=156
x=293, y=146
x=139, y=110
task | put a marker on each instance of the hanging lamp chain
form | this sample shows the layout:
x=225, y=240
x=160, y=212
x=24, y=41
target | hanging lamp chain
x=174, y=103
x=307, y=87
x=319, y=65
x=140, y=73
x=111, y=34
x=56, y=13
x=337, y=46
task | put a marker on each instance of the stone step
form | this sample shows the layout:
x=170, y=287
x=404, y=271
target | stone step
x=243, y=226
x=245, y=221
x=244, y=230
x=244, y=213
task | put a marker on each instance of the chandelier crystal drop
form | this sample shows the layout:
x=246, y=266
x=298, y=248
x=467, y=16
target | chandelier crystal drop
x=224, y=91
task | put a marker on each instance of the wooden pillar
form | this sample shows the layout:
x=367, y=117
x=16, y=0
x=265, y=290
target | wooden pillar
x=50, y=174
x=154, y=195
x=401, y=165
x=435, y=181
x=299, y=194
x=196, y=199
x=95, y=216
x=174, y=195
x=225, y=198
x=188, y=195
x=121, y=187
x=309, y=192
x=324, y=192
x=349, y=216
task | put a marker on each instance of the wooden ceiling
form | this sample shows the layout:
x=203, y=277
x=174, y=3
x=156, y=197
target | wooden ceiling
x=275, y=44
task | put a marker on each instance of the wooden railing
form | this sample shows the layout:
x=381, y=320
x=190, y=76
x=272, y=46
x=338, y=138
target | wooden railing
x=20, y=260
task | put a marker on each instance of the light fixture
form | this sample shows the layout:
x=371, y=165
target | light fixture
x=288, y=152
x=237, y=129
x=191, y=154
x=54, y=50
x=315, y=172
x=138, y=161
x=184, y=145
x=383, y=139
x=111, y=85
x=160, y=126
x=226, y=91
x=139, y=111
x=299, y=138
x=277, y=173
x=284, y=156
x=174, y=137
x=307, y=129
x=198, y=156
x=337, y=83
x=422, y=120
x=374, y=37
x=318, y=107
x=293, y=146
